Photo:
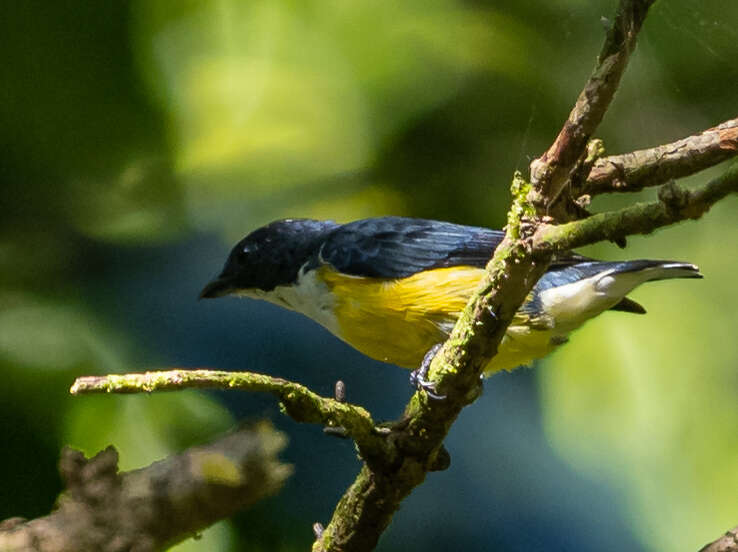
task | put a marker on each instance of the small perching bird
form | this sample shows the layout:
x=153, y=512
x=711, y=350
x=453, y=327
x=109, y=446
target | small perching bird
x=393, y=287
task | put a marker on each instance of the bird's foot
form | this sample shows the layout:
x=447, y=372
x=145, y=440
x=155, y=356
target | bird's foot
x=418, y=377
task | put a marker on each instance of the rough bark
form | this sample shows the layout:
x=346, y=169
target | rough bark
x=631, y=172
x=152, y=508
x=550, y=173
x=726, y=543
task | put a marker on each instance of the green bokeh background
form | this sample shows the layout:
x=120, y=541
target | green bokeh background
x=138, y=140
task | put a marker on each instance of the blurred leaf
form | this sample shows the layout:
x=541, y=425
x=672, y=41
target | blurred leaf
x=268, y=97
x=647, y=401
x=216, y=538
x=139, y=204
x=78, y=135
x=144, y=428
x=50, y=336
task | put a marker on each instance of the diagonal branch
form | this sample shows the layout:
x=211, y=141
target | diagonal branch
x=550, y=173
x=632, y=172
x=369, y=504
x=367, y=507
x=726, y=543
x=157, y=506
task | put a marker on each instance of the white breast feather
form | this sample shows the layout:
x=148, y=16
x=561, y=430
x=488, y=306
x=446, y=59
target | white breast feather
x=309, y=296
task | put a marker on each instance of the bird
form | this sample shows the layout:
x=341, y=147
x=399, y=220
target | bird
x=393, y=287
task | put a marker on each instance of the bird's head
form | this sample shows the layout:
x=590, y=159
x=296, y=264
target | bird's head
x=268, y=257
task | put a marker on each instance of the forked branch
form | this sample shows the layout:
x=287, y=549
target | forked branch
x=674, y=205
x=550, y=173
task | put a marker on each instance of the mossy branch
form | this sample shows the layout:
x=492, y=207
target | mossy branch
x=299, y=402
x=674, y=205
x=368, y=505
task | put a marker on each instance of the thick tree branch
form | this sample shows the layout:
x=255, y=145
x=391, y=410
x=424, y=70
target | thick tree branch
x=155, y=507
x=674, y=205
x=550, y=173
x=369, y=504
x=367, y=507
x=632, y=172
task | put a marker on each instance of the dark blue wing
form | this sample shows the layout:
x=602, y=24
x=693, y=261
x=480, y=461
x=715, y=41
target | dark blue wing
x=398, y=247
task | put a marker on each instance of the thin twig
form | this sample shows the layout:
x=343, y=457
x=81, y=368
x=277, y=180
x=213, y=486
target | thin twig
x=299, y=402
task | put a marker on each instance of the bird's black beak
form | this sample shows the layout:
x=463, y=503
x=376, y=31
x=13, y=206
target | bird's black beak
x=217, y=288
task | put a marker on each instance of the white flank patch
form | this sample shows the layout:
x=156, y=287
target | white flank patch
x=573, y=304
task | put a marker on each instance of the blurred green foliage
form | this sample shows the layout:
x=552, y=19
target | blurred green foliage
x=653, y=399
x=125, y=125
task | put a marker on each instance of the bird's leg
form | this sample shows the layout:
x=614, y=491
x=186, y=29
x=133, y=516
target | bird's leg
x=417, y=377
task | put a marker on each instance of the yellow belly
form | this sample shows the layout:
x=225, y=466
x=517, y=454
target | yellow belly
x=398, y=321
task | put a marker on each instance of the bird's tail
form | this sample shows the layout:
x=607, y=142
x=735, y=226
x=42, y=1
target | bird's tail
x=658, y=270
x=604, y=285
x=620, y=278
x=642, y=270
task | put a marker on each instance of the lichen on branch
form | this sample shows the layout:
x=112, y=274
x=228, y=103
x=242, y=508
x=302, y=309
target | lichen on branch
x=298, y=401
x=367, y=507
x=674, y=205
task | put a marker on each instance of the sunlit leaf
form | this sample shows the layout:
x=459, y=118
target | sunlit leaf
x=144, y=428
x=265, y=97
x=646, y=402
x=50, y=336
x=218, y=537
